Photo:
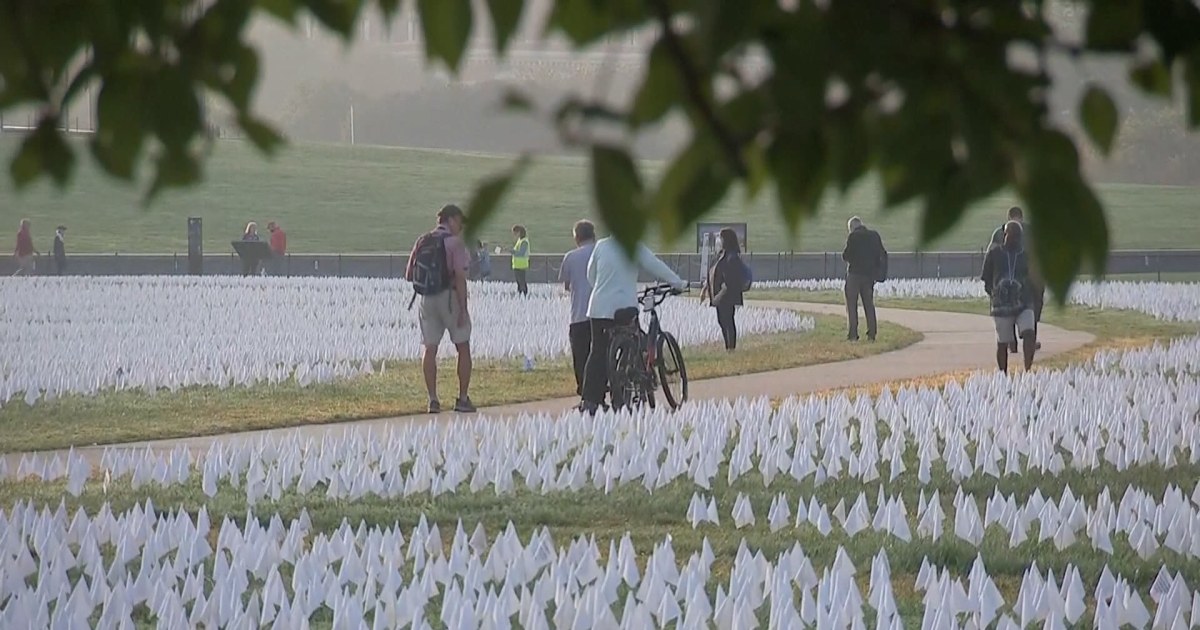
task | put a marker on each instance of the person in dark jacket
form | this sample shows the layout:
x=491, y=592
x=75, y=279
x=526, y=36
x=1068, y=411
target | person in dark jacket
x=60, y=250
x=1010, y=283
x=866, y=261
x=1039, y=292
x=726, y=286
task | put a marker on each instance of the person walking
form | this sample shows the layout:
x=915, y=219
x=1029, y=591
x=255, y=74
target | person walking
x=520, y=258
x=278, y=248
x=25, y=251
x=574, y=276
x=866, y=261
x=613, y=275
x=438, y=268
x=1009, y=281
x=727, y=282
x=1039, y=292
x=59, y=249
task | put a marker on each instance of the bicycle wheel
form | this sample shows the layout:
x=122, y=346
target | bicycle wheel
x=672, y=373
x=620, y=378
x=628, y=382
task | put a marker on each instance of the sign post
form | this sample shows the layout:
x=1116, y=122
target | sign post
x=195, y=247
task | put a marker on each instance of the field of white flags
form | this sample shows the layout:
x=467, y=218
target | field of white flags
x=1164, y=300
x=1057, y=498
x=87, y=335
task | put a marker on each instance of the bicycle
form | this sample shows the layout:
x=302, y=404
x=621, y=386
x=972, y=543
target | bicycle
x=639, y=362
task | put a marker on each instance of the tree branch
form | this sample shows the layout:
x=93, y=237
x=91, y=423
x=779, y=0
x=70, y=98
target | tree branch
x=695, y=91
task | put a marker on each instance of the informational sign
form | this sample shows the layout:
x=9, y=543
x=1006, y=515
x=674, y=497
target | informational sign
x=195, y=246
x=705, y=231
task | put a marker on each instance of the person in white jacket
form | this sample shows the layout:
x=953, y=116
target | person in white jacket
x=614, y=286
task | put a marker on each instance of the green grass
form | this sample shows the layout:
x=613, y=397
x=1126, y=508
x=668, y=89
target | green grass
x=117, y=417
x=337, y=199
x=650, y=518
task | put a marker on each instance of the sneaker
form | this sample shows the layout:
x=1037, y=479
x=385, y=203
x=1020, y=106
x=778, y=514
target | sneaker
x=435, y=406
x=1037, y=346
x=463, y=405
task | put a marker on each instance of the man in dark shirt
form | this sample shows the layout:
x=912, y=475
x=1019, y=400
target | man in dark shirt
x=1011, y=286
x=866, y=261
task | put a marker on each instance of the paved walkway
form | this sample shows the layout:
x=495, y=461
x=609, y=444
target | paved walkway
x=952, y=342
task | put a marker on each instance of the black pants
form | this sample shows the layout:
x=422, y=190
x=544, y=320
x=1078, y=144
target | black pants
x=860, y=287
x=725, y=317
x=250, y=266
x=522, y=285
x=581, y=347
x=595, y=378
x=60, y=265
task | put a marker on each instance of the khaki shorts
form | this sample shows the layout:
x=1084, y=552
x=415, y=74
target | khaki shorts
x=438, y=314
x=1005, y=326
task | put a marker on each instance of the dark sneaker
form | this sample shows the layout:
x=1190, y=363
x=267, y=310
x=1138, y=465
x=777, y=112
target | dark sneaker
x=463, y=405
x=1037, y=346
x=435, y=406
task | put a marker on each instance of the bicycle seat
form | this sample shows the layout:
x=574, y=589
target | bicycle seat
x=625, y=316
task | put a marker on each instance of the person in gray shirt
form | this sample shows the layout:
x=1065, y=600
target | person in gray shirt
x=573, y=275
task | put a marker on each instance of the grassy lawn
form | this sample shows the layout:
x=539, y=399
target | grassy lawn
x=650, y=518
x=128, y=416
x=368, y=199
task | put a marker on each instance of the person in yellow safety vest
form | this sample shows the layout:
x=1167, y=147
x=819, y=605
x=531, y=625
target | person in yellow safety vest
x=520, y=258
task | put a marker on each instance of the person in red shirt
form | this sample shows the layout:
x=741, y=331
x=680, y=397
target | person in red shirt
x=25, y=250
x=278, y=247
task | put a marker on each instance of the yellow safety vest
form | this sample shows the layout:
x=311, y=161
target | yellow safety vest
x=520, y=262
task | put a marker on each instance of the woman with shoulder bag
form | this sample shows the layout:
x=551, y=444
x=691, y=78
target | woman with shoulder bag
x=726, y=286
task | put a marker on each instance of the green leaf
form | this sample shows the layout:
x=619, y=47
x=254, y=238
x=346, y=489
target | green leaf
x=120, y=131
x=446, y=25
x=506, y=17
x=240, y=86
x=661, y=88
x=488, y=195
x=1113, y=25
x=618, y=192
x=696, y=180
x=800, y=167
x=944, y=205
x=849, y=149
x=1192, y=77
x=582, y=21
x=260, y=134
x=388, y=8
x=285, y=10
x=1152, y=77
x=1099, y=116
x=176, y=109
x=341, y=16
x=43, y=152
x=1067, y=220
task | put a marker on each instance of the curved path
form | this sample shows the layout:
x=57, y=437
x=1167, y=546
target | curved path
x=952, y=342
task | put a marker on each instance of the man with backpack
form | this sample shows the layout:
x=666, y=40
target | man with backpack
x=437, y=269
x=1009, y=282
x=1039, y=292
x=866, y=261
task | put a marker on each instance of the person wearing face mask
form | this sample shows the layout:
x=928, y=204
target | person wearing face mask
x=1010, y=283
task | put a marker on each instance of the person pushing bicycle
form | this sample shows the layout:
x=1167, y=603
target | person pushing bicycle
x=614, y=277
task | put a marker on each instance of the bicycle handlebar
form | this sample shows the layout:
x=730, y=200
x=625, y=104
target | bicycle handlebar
x=659, y=293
